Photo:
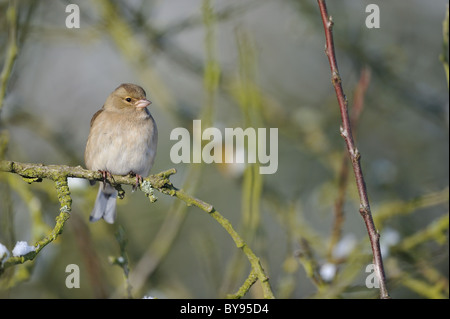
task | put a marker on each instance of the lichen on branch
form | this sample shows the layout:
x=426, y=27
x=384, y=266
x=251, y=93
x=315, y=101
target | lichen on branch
x=59, y=173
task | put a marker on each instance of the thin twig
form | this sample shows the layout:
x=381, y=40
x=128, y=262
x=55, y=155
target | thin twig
x=358, y=104
x=251, y=279
x=355, y=156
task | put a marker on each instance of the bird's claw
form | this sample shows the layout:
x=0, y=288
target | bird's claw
x=139, y=180
x=105, y=174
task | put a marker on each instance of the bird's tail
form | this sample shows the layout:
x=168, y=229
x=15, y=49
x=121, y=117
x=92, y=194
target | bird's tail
x=105, y=204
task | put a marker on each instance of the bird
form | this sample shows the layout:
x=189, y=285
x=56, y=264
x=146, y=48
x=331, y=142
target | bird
x=122, y=140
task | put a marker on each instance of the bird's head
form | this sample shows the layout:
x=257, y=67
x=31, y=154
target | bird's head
x=127, y=97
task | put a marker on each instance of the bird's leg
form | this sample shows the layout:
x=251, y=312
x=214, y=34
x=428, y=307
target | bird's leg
x=139, y=180
x=105, y=174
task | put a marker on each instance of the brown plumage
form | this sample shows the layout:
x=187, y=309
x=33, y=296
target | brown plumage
x=122, y=140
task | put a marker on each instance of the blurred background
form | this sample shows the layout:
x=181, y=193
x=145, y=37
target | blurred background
x=232, y=64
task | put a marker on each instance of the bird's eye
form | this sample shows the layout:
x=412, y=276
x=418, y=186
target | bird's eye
x=128, y=99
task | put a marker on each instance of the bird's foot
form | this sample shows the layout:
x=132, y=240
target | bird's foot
x=105, y=174
x=139, y=180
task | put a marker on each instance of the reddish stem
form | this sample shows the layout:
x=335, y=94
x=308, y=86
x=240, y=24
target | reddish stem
x=355, y=156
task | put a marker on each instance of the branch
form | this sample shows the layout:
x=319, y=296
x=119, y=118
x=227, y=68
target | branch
x=31, y=172
x=355, y=156
x=160, y=182
x=358, y=104
x=248, y=283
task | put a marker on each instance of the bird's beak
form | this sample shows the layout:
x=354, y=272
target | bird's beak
x=142, y=103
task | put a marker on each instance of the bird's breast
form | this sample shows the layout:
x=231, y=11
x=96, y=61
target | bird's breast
x=122, y=144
